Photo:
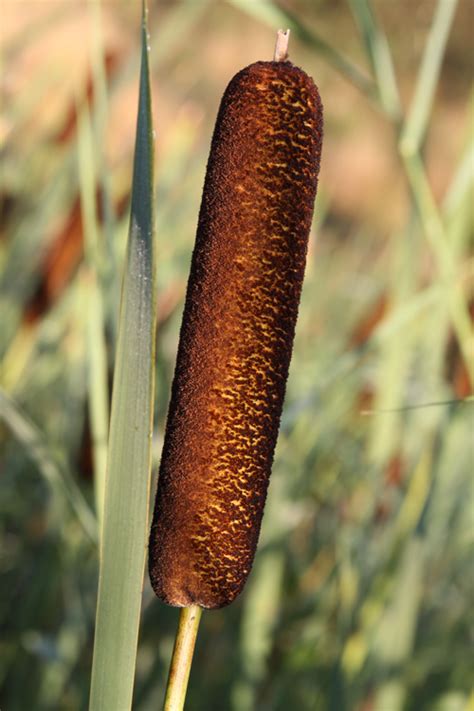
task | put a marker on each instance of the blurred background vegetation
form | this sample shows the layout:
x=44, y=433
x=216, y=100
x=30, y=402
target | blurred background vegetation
x=361, y=595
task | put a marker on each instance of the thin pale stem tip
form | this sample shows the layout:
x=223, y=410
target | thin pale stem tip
x=281, y=46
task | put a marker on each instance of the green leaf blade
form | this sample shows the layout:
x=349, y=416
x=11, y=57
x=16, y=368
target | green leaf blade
x=125, y=524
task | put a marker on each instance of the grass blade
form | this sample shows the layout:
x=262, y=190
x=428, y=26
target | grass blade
x=446, y=263
x=108, y=269
x=98, y=393
x=57, y=476
x=394, y=641
x=259, y=618
x=410, y=142
x=462, y=181
x=378, y=51
x=125, y=525
x=420, y=109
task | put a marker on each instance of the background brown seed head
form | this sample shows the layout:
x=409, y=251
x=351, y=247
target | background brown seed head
x=237, y=335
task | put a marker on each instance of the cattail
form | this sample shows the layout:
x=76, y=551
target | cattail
x=237, y=335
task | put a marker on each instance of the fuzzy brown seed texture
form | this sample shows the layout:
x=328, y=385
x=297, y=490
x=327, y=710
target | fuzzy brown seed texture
x=237, y=335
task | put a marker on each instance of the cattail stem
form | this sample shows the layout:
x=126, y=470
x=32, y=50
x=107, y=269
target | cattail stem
x=281, y=46
x=182, y=658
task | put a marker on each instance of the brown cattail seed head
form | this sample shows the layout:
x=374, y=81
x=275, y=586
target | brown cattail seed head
x=237, y=335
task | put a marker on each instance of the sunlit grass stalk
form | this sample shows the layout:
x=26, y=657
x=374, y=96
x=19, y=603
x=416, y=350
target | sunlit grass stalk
x=378, y=51
x=416, y=124
x=108, y=267
x=463, y=179
x=400, y=620
x=411, y=140
x=410, y=144
x=436, y=234
x=98, y=391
